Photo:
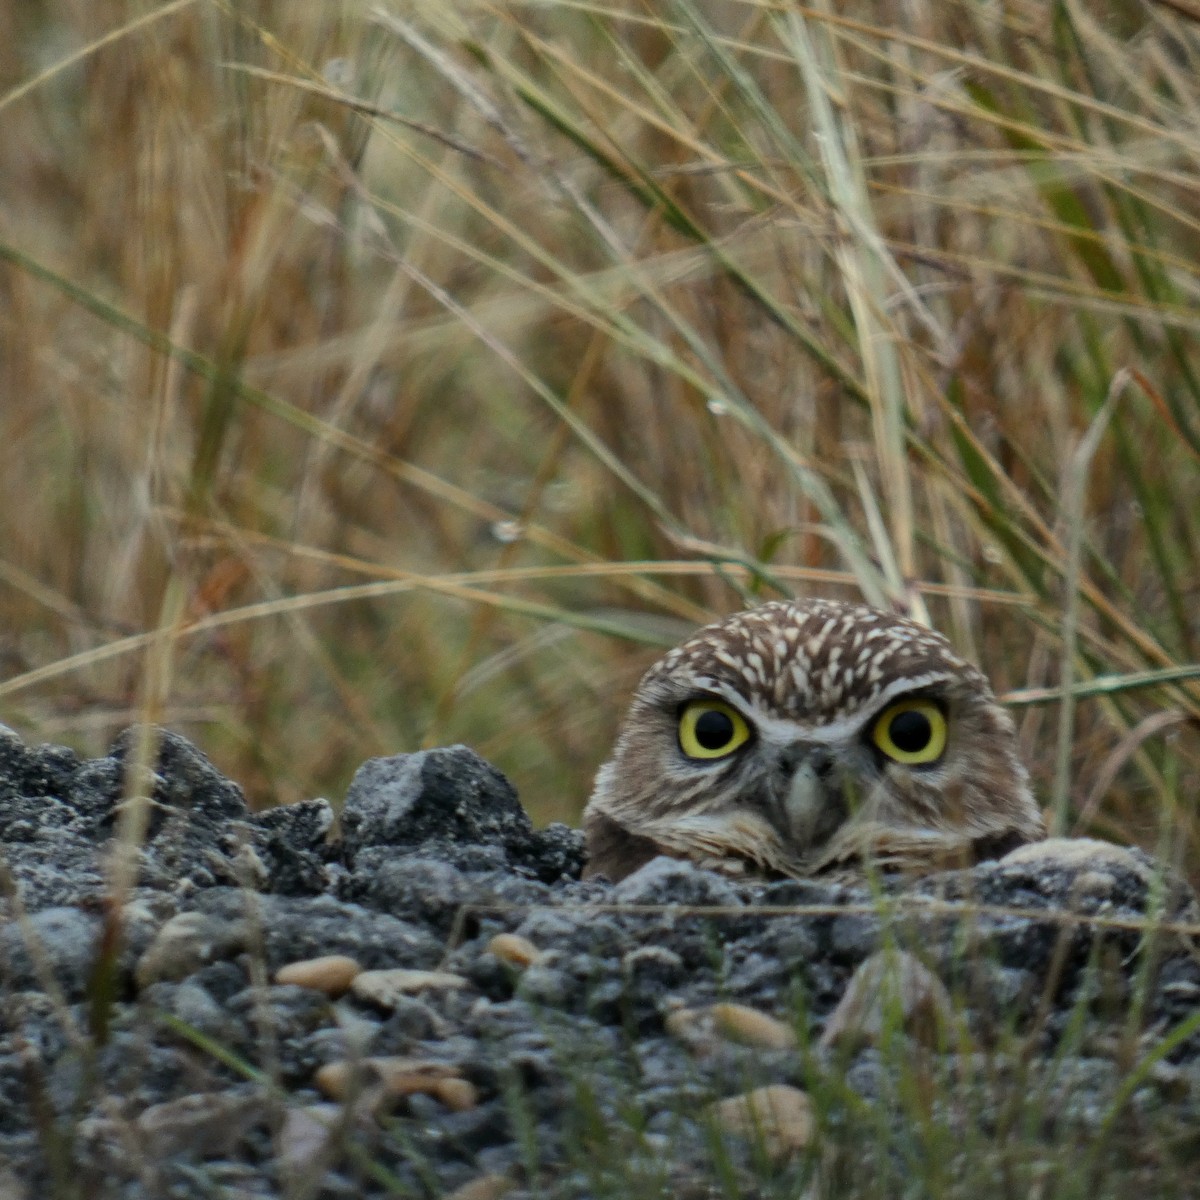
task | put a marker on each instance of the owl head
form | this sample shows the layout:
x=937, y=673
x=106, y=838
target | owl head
x=804, y=736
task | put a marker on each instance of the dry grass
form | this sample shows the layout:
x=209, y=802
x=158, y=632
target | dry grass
x=383, y=378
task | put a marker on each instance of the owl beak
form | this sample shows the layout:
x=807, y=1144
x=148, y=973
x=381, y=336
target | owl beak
x=814, y=802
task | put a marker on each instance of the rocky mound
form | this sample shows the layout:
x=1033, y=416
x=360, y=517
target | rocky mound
x=429, y=1002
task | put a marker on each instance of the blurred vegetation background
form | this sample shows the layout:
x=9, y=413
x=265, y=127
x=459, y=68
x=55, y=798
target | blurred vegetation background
x=378, y=377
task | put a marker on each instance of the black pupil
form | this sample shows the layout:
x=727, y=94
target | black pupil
x=714, y=729
x=910, y=731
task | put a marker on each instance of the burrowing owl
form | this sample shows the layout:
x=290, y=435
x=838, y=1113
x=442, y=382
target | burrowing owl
x=806, y=736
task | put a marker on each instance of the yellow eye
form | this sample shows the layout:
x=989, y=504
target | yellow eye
x=911, y=732
x=711, y=729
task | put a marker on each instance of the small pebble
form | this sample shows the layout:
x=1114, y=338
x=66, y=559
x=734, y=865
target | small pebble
x=700, y=1028
x=387, y=988
x=485, y=1187
x=331, y=973
x=305, y=1134
x=458, y=1095
x=891, y=989
x=779, y=1115
x=209, y=1123
x=186, y=943
x=514, y=949
x=749, y=1027
x=399, y=1077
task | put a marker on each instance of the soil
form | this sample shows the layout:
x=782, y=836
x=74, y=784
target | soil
x=147, y=1048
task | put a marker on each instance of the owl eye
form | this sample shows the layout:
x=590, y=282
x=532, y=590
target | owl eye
x=711, y=729
x=911, y=732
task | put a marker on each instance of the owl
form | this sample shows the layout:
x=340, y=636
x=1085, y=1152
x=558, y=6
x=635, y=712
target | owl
x=807, y=737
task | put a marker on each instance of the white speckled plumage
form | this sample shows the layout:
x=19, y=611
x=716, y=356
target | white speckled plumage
x=809, y=676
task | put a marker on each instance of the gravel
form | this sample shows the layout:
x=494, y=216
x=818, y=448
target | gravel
x=148, y=1050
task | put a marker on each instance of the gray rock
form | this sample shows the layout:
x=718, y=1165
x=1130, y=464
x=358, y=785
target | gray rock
x=185, y=779
x=565, y=1052
x=451, y=804
x=304, y=825
x=205, y=1125
x=654, y=968
x=52, y=949
x=892, y=992
x=428, y=889
x=543, y=984
x=446, y=796
x=853, y=937
x=188, y=942
x=192, y=1004
x=289, y=929
x=674, y=882
x=282, y=1012
x=292, y=841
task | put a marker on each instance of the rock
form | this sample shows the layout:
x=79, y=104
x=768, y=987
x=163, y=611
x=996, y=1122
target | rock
x=451, y=804
x=398, y=1077
x=675, y=881
x=427, y=889
x=331, y=973
x=749, y=1027
x=194, y=1006
x=185, y=778
x=198, y=831
x=513, y=949
x=854, y=936
x=458, y=1095
x=485, y=1187
x=291, y=840
x=891, y=990
x=649, y=973
x=445, y=796
x=188, y=1129
x=293, y=928
x=306, y=1135
x=547, y=986
x=519, y=1011
x=11, y=1187
x=204, y=1125
x=53, y=949
x=778, y=1116
x=699, y=1028
x=283, y=1012
x=702, y=1029
x=314, y=1138
x=1069, y=875
x=33, y=771
x=1078, y=854
x=93, y=792
x=553, y=855
x=693, y=1027
x=304, y=825
x=387, y=989
x=189, y=941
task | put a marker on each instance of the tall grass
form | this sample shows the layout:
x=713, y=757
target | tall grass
x=376, y=378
